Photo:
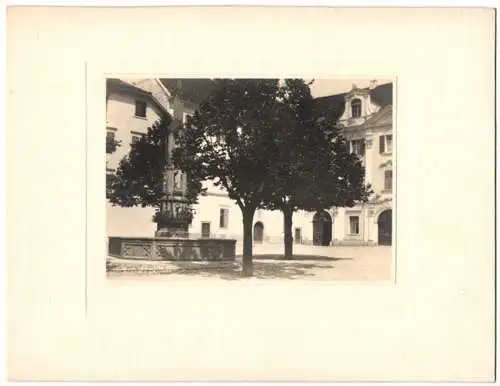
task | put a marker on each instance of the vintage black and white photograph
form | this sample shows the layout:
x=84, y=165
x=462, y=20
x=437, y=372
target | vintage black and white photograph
x=265, y=178
x=250, y=194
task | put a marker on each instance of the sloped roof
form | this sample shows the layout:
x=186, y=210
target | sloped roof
x=381, y=95
x=334, y=103
x=122, y=85
x=381, y=117
x=118, y=83
x=195, y=90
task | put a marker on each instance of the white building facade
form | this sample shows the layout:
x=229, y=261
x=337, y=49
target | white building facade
x=366, y=116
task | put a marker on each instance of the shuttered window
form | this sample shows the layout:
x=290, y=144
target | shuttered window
x=385, y=144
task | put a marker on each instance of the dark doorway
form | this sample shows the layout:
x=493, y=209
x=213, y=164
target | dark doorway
x=385, y=227
x=298, y=236
x=322, y=228
x=258, y=232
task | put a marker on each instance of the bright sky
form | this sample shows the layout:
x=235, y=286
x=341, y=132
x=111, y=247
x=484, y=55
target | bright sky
x=322, y=87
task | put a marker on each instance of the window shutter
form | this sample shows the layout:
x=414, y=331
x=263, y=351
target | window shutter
x=381, y=144
x=362, y=147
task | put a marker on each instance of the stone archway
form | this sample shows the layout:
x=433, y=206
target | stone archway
x=384, y=224
x=258, y=232
x=322, y=228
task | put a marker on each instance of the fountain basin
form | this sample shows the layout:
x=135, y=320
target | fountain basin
x=166, y=248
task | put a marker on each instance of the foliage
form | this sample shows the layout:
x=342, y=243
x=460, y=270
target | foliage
x=183, y=216
x=230, y=140
x=264, y=143
x=139, y=177
x=315, y=170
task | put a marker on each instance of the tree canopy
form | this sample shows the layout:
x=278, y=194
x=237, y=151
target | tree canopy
x=262, y=141
x=139, y=177
x=315, y=169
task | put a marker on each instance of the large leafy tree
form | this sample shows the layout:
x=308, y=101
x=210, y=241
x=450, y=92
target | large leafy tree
x=314, y=170
x=139, y=178
x=230, y=140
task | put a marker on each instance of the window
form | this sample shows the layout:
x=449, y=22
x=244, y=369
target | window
x=110, y=177
x=385, y=145
x=358, y=147
x=298, y=235
x=140, y=109
x=205, y=230
x=110, y=142
x=388, y=143
x=356, y=108
x=223, y=218
x=135, y=138
x=186, y=117
x=354, y=225
x=388, y=180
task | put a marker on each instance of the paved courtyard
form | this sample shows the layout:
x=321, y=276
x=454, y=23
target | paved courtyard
x=310, y=263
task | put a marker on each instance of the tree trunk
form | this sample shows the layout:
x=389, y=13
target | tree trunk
x=248, y=214
x=287, y=216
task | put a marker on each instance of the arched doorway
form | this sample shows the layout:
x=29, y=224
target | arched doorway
x=322, y=228
x=258, y=232
x=384, y=223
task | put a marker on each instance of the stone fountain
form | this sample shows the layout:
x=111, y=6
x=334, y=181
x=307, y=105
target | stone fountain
x=171, y=240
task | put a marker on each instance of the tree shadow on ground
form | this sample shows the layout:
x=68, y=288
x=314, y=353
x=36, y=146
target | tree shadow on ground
x=280, y=256
x=265, y=266
x=261, y=270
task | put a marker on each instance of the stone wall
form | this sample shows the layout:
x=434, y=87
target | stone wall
x=172, y=249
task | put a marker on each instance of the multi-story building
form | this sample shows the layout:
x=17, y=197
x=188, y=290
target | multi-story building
x=366, y=122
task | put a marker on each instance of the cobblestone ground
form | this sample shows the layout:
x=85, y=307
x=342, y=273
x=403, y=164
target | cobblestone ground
x=309, y=262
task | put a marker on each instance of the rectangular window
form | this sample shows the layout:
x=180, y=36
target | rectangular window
x=223, y=218
x=388, y=143
x=140, y=109
x=205, y=230
x=385, y=145
x=354, y=225
x=388, y=180
x=110, y=176
x=135, y=138
x=356, y=108
x=110, y=142
x=298, y=235
x=358, y=147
